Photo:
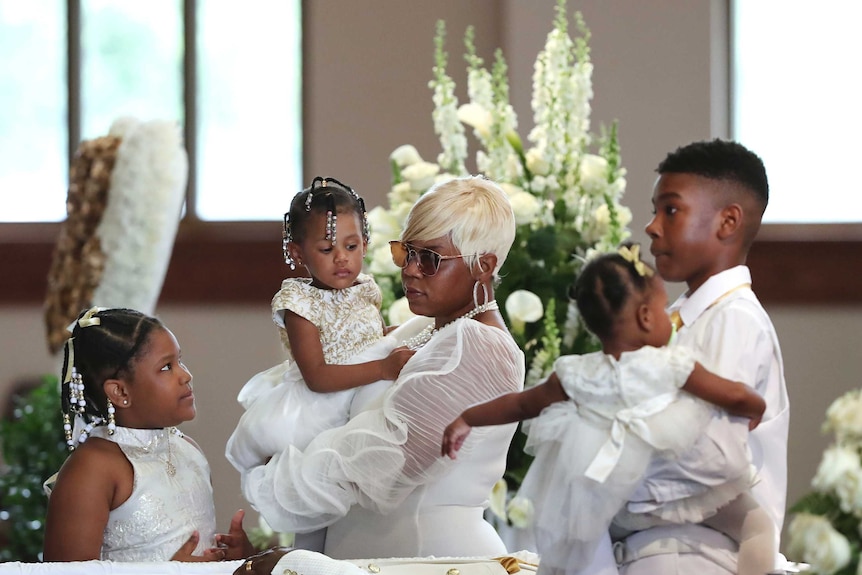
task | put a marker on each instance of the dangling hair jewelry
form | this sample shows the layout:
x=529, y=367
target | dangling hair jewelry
x=72, y=379
x=320, y=185
x=286, y=239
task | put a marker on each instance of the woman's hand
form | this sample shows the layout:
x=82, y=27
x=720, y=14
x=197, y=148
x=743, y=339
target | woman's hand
x=263, y=562
x=185, y=551
x=454, y=436
x=235, y=543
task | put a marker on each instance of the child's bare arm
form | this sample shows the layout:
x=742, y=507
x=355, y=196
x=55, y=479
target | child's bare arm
x=734, y=396
x=322, y=377
x=507, y=408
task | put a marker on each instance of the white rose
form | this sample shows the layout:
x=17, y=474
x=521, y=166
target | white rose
x=498, y=499
x=844, y=416
x=420, y=175
x=477, y=117
x=849, y=491
x=399, y=311
x=381, y=262
x=405, y=155
x=837, y=461
x=525, y=207
x=813, y=540
x=382, y=224
x=510, y=189
x=593, y=173
x=521, y=512
x=539, y=184
x=536, y=163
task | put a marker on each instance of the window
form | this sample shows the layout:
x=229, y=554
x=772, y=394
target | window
x=231, y=76
x=796, y=102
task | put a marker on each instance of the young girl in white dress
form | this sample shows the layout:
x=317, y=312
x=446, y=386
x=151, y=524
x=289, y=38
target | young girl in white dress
x=134, y=487
x=330, y=325
x=602, y=415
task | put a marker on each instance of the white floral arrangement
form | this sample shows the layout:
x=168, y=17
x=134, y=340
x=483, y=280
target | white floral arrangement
x=826, y=529
x=124, y=205
x=565, y=190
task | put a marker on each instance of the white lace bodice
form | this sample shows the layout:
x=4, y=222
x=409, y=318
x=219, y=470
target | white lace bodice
x=348, y=320
x=164, y=509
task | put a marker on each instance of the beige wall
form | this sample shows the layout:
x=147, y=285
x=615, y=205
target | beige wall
x=369, y=63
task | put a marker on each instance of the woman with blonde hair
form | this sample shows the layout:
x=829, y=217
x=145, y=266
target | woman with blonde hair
x=379, y=483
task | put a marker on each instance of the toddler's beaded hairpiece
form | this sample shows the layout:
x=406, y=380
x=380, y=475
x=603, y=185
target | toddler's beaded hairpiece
x=632, y=255
x=77, y=424
x=320, y=185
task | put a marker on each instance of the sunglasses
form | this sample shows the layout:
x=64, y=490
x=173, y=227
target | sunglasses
x=428, y=261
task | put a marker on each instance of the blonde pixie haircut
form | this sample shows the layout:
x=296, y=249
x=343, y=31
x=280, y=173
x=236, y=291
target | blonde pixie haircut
x=473, y=211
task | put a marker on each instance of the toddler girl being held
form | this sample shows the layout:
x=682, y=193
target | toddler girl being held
x=331, y=327
x=134, y=487
x=601, y=417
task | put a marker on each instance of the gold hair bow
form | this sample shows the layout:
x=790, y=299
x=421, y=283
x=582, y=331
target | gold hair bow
x=633, y=256
x=89, y=318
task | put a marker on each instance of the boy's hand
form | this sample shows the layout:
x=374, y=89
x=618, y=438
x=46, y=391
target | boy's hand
x=185, y=551
x=235, y=543
x=396, y=359
x=454, y=436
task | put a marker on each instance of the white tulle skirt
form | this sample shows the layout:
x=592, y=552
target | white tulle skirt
x=572, y=511
x=280, y=410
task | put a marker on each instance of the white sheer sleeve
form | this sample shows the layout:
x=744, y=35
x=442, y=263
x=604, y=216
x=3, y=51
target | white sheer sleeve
x=381, y=455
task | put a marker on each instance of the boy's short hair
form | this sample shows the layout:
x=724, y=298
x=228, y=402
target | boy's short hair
x=721, y=160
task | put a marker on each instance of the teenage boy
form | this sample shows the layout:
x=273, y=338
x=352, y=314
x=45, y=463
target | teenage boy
x=708, y=203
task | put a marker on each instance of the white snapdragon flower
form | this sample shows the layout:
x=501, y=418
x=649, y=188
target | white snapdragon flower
x=844, y=416
x=521, y=512
x=523, y=307
x=478, y=118
x=624, y=216
x=405, y=155
x=402, y=193
x=537, y=164
x=593, y=174
x=525, y=206
x=399, y=311
x=813, y=539
x=420, y=175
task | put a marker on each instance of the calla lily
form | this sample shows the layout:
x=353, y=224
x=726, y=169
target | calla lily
x=521, y=512
x=498, y=499
x=477, y=117
x=523, y=307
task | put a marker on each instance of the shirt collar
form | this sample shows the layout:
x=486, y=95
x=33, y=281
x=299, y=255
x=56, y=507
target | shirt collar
x=690, y=306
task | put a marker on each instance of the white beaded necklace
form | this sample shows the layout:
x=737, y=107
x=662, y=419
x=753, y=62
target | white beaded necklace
x=425, y=335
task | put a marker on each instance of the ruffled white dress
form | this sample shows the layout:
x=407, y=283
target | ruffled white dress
x=280, y=409
x=592, y=452
x=164, y=508
x=379, y=481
